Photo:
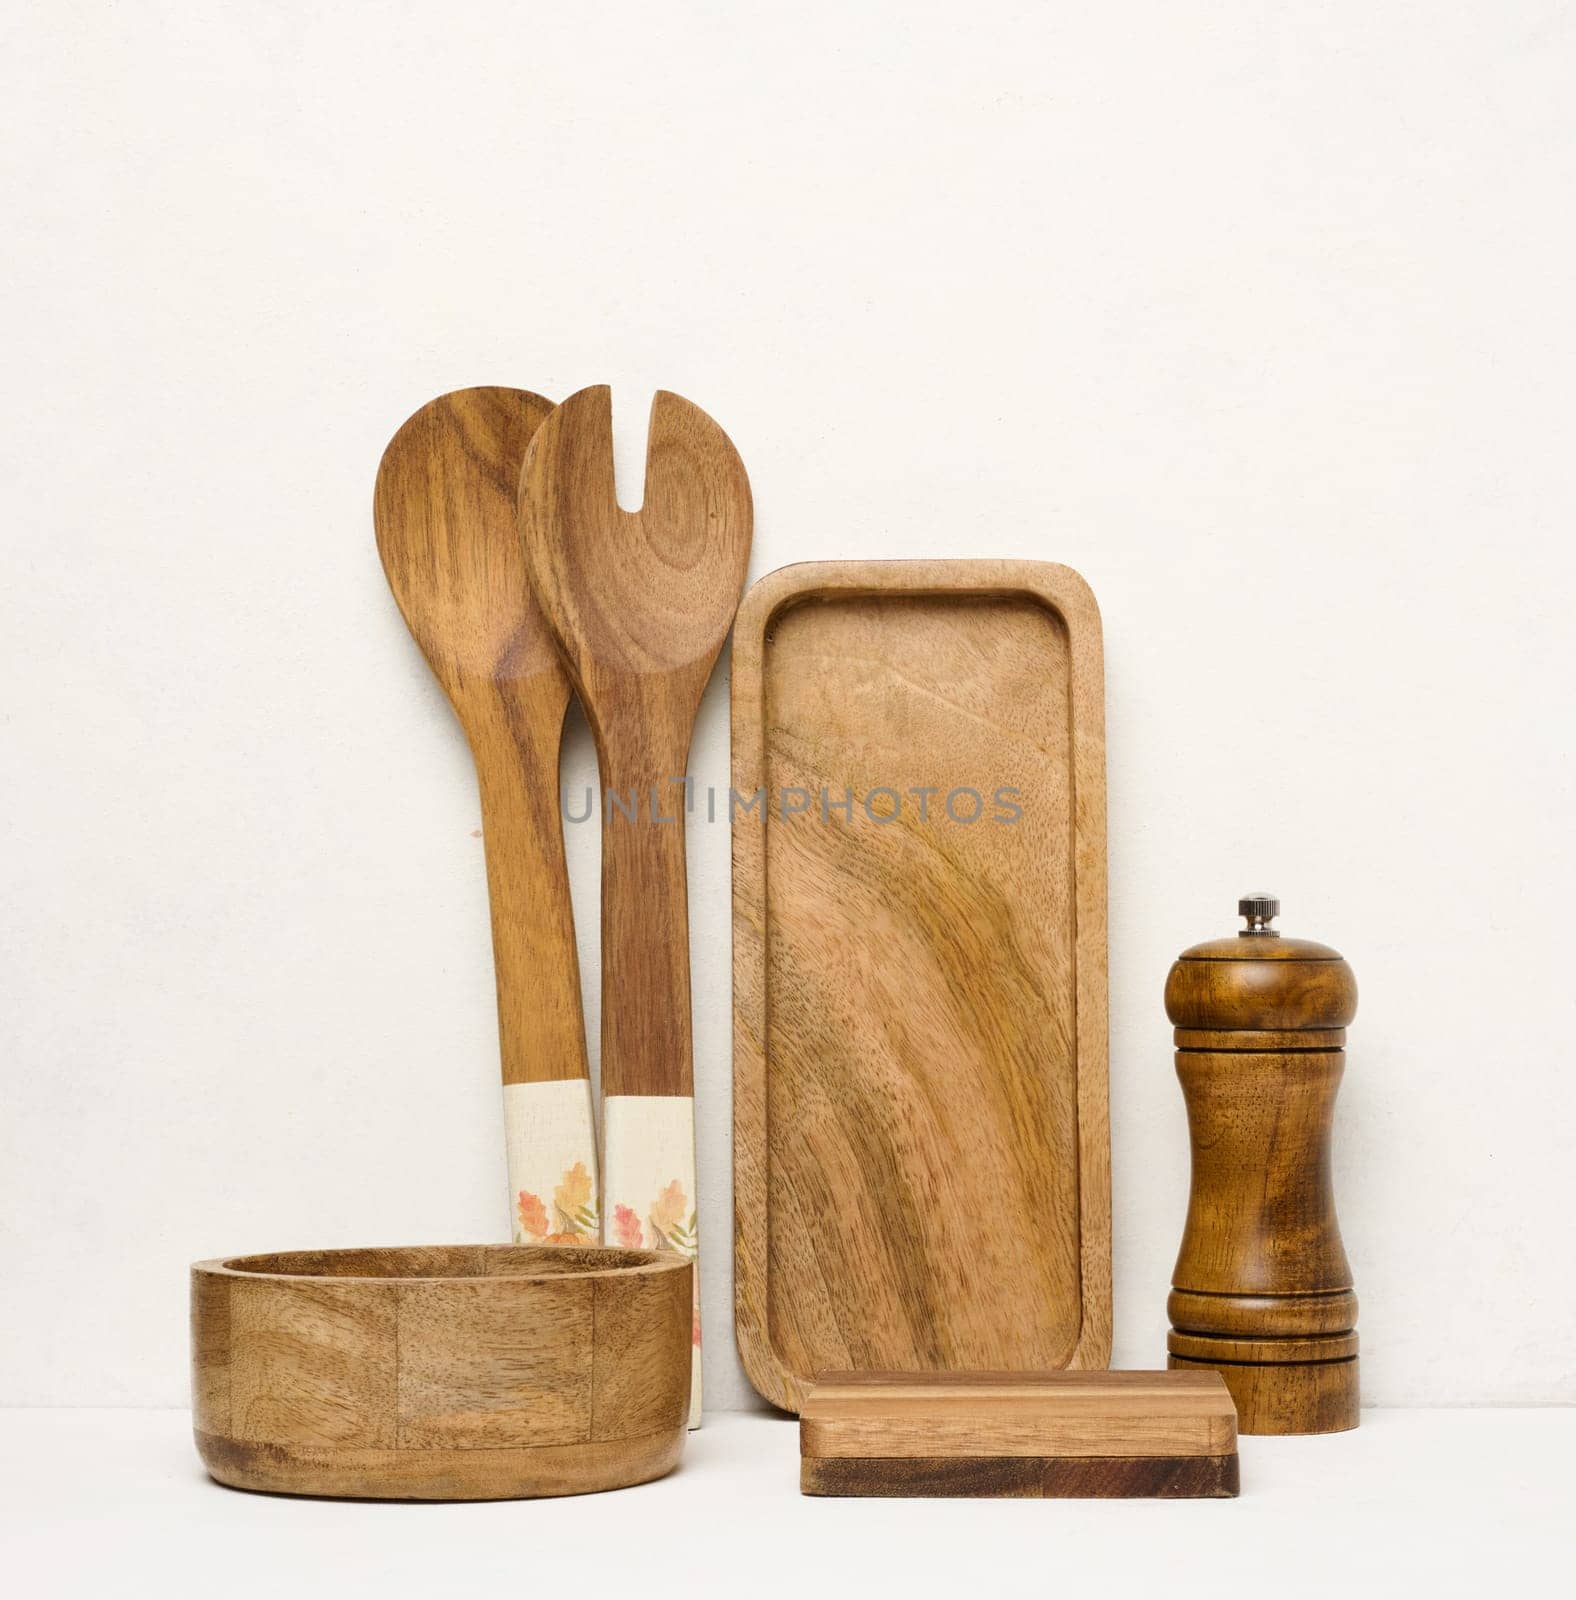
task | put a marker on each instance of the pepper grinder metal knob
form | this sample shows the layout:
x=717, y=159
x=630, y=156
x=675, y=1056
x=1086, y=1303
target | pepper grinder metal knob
x=1262, y=1290
x=1260, y=910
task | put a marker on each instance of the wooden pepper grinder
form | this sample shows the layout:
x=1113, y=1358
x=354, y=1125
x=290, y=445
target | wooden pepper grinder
x=1262, y=1291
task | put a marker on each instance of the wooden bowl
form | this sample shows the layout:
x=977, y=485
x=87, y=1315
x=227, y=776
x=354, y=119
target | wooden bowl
x=464, y=1372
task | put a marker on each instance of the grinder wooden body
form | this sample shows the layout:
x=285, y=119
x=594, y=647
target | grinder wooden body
x=1262, y=1291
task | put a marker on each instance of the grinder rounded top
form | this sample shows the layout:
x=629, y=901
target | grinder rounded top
x=1259, y=980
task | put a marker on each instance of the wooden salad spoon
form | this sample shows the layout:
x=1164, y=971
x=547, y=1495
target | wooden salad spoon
x=444, y=509
x=640, y=604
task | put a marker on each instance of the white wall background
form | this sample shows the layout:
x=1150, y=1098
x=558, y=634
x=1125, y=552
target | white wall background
x=1261, y=317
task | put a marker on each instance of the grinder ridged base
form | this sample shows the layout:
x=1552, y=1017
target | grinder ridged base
x=1286, y=1397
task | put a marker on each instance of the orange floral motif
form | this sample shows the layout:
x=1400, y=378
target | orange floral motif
x=533, y=1216
x=572, y=1201
x=668, y=1207
x=672, y=1221
x=626, y=1228
x=572, y=1219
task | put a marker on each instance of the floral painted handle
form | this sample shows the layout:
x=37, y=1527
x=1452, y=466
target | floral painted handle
x=649, y=1172
x=551, y=1142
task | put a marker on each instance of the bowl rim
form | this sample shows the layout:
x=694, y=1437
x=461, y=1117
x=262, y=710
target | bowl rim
x=629, y=1264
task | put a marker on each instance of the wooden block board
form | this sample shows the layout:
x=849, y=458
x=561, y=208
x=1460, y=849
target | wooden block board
x=921, y=1137
x=1057, y=1435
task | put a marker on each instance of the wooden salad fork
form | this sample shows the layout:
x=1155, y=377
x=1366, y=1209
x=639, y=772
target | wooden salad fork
x=444, y=509
x=640, y=604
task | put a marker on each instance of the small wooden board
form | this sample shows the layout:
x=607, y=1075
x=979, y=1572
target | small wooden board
x=1038, y=1436
x=921, y=1139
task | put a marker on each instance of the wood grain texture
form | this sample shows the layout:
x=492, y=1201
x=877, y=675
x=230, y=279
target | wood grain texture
x=1274, y=1316
x=1214, y=1347
x=504, y=1474
x=1301, y=987
x=1289, y=1397
x=537, y=1387
x=317, y=1368
x=210, y=1340
x=639, y=604
x=636, y=1385
x=1264, y=1222
x=1019, y=1435
x=441, y=1373
x=1018, y=1414
x=921, y=1144
x=1024, y=1478
x=444, y=510
x=1262, y=1290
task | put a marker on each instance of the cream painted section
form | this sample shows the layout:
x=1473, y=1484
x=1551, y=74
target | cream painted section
x=649, y=1162
x=550, y=1135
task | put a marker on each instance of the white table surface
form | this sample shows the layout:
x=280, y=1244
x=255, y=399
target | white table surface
x=92, y=1502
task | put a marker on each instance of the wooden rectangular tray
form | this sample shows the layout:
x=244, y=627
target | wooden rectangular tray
x=921, y=1137
x=1102, y=1435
